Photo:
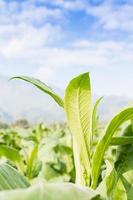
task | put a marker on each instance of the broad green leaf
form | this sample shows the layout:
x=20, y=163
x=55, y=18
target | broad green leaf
x=11, y=179
x=42, y=86
x=122, y=140
x=78, y=110
x=111, y=181
x=12, y=155
x=108, y=184
x=102, y=146
x=124, y=154
x=128, y=188
x=94, y=116
x=51, y=191
x=128, y=131
x=120, y=192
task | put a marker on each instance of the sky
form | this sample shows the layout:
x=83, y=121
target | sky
x=55, y=40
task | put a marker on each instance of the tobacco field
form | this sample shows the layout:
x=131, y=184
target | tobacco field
x=81, y=159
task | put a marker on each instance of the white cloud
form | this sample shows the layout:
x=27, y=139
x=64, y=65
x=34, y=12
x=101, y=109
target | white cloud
x=54, y=61
x=107, y=61
x=109, y=16
x=29, y=37
x=84, y=52
x=68, y=4
x=25, y=26
x=19, y=20
x=112, y=17
x=24, y=39
x=26, y=12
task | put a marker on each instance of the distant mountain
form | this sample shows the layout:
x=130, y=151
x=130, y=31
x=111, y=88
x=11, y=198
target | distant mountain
x=48, y=115
x=110, y=105
x=21, y=100
x=5, y=117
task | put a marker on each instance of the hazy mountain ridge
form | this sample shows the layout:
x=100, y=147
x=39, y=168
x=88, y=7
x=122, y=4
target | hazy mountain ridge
x=21, y=100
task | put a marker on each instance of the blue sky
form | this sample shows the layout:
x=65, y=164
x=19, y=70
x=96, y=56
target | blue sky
x=55, y=40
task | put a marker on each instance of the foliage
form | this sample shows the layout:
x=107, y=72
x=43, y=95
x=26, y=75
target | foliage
x=52, y=191
x=98, y=159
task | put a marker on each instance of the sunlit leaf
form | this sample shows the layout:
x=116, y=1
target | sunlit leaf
x=102, y=146
x=12, y=155
x=78, y=111
x=42, y=86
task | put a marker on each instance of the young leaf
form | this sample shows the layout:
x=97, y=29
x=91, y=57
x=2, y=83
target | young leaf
x=12, y=155
x=78, y=111
x=42, y=86
x=107, y=186
x=11, y=179
x=102, y=146
x=31, y=161
x=94, y=115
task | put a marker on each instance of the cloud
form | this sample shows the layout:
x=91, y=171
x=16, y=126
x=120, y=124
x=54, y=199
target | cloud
x=87, y=53
x=110, y=64
x=43, y=41
x=27, y=38
x=14, y=12
x=111, y=17
x=25, y=26
x=109, y=14
x=67, y=4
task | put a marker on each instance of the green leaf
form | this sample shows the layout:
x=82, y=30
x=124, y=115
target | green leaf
x=122, y=140
x=120, y=192
x=11, y=179
x=78, y=111
x=42, y=86
x=108, y=184
x=94, y=116
x=128, y=188
x=31, y=162
x=12, y=155
x=51, y=191
x=102, y=146
x=124, y=154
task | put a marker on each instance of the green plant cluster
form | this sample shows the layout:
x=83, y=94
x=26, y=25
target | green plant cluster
x=98, y=163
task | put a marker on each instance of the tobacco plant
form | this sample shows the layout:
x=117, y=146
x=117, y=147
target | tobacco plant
x=94, y=174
